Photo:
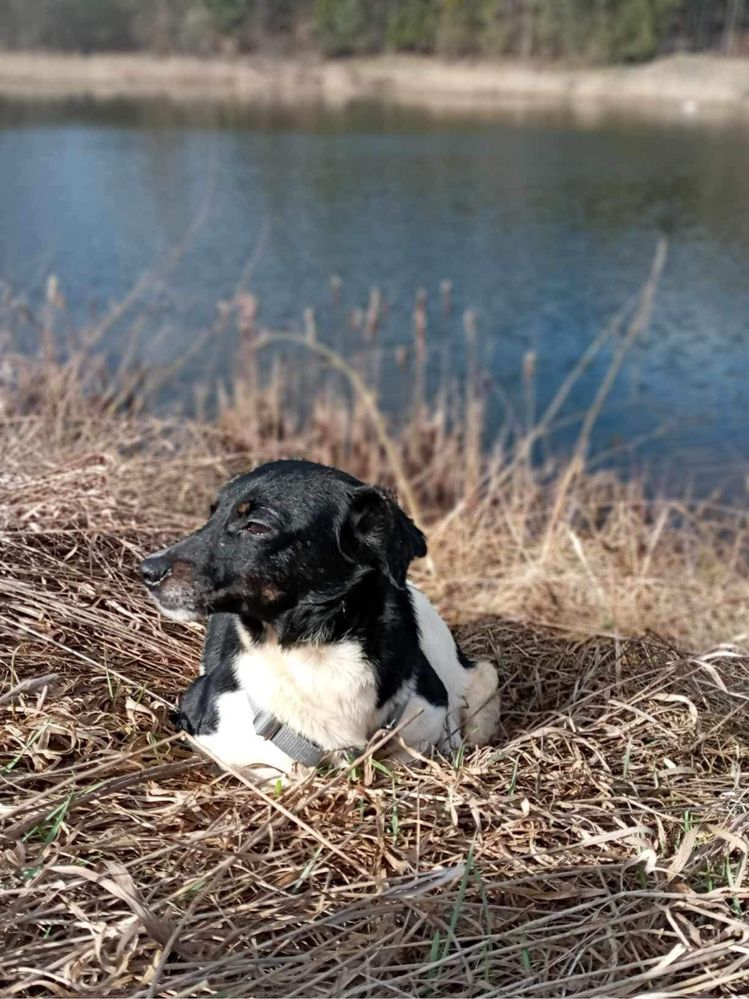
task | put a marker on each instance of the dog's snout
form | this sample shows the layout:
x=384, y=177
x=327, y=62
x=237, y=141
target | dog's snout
x=154, y=569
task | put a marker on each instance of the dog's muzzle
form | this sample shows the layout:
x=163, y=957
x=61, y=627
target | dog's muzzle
x=171, y=586
x=154, y=570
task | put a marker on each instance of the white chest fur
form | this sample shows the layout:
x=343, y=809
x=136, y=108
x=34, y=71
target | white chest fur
x=326, y=692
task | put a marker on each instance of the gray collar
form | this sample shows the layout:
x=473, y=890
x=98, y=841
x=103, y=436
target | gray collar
x=299, y=748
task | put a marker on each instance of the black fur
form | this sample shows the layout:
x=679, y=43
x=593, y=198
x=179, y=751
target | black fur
x=222, y=642
x=309, y=552
x=197, y=707
x=428, y=684
x=197, y=712
x=465, y=662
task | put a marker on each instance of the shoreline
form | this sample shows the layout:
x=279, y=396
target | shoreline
x=683, y=84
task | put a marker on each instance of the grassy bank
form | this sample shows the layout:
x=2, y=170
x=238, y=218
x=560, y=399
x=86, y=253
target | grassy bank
x=599, y=849
x=673, y=84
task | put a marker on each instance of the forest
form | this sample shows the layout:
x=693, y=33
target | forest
x=572, y=31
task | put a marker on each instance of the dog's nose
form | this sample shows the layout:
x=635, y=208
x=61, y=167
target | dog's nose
x=154, y=569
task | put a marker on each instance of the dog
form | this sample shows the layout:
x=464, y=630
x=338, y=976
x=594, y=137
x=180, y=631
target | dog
x=315, y=637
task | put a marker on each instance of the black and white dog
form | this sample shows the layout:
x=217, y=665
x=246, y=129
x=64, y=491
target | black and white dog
x=315, y=637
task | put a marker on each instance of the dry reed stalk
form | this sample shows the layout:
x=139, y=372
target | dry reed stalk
x=420, y=326
x=638, y=324
x=473, y=406
x=367, y=400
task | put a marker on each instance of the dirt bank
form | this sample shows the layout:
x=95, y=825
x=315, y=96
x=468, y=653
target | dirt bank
x=685, y=84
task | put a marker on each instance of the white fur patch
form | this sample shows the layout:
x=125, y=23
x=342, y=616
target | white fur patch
x=178, y=613
x=234, y=742
x=423, y=726
x=328, y=693
x=481, y=714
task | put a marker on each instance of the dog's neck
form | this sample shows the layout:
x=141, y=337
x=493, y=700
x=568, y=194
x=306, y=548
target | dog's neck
x=371, y=610
x=328, y=616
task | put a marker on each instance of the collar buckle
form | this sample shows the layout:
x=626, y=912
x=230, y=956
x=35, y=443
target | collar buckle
x=266, y=725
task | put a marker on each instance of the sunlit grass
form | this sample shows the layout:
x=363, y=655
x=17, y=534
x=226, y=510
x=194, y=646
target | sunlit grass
x=600, y=848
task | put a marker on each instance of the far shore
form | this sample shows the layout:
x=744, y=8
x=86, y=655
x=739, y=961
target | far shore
x=680, y=84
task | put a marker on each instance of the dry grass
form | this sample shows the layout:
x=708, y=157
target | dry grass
x=599, y=849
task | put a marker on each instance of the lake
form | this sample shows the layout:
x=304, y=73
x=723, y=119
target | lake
x=545, y=223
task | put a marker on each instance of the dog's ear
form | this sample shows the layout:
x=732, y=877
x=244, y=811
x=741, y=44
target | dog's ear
x=377, y=532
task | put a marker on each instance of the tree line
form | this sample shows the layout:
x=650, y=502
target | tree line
x=590, y=31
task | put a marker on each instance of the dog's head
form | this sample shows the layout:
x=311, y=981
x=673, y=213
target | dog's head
x=287, y=532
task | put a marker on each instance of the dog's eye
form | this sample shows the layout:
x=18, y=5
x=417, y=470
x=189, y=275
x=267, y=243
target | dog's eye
x=255, y=527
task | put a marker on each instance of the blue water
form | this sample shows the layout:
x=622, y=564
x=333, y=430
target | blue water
x=546, y=226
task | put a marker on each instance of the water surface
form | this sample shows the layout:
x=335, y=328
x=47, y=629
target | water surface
x=545, y=224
